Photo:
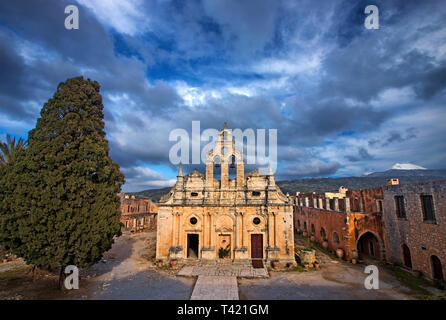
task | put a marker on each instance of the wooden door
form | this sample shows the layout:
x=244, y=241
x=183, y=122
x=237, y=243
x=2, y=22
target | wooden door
x=256, y=246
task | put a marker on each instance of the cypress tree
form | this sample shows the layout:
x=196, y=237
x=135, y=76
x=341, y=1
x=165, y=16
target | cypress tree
x=12, y=205
x=69, y=184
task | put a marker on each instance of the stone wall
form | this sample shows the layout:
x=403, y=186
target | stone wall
x=138, y=214
x=423, y=239
x=341, y=225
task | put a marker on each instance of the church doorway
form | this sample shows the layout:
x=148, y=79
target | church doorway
x=224, y=246
x=256, y=246
x=192, y=246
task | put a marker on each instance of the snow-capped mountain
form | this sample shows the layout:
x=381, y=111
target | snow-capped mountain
x=407, y=166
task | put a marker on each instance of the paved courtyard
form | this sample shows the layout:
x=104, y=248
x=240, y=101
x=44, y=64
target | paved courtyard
x=215, y=288
x=225, y=269
x=128, y=272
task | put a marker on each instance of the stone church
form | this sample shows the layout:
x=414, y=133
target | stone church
x=240, y=219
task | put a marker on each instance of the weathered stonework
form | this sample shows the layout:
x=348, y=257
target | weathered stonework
x=366, y=223
x=348, y=220
x=423, y=239
x=239, y=219
x=137, y=214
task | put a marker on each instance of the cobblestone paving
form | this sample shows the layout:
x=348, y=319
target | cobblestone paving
x=226, y=270
x=215, y=288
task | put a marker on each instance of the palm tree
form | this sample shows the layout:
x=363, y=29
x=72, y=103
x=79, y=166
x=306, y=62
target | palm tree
x=9, y=149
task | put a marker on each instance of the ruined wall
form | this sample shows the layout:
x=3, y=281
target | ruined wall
x=138, y=214
x=423, y=239
x=342, y=225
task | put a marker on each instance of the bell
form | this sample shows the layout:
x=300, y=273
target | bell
x=232, y=166
x=217, y=165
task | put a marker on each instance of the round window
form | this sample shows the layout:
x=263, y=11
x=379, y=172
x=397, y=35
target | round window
x=256, y=220
x=193, y=220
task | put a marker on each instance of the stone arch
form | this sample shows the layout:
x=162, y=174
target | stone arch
x=323, y=234
x=436, y=267
x=407, y=258
x=336, y=240
x=224, y=223
x=369, y=244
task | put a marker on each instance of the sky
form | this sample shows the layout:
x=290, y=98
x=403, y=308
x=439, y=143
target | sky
x=345, y=100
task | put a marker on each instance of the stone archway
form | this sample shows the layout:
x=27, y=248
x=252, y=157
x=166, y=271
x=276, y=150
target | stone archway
x=407, y=259
x=370, y=246
x=437, y=268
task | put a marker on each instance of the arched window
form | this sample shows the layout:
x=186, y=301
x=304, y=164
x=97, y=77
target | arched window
x=335, y=238
x=313, y=231
x=298, y=223
x=323, y=234
x=305, y=226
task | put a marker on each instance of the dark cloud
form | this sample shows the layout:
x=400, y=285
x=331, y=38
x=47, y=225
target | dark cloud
x=362, y=154
x=209, y=46
x=394, y=137
x=315, y=168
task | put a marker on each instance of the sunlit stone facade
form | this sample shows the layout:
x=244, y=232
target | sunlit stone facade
x=244, y=218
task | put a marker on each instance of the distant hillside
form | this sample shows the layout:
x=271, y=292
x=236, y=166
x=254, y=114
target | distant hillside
x=317, y=185
x=410, y=173
x=153, y=194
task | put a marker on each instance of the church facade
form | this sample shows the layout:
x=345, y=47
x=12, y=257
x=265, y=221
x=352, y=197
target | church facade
x=240, y=219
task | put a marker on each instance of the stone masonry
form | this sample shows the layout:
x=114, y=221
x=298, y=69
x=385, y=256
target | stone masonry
x=410, y=238
x=239, y=219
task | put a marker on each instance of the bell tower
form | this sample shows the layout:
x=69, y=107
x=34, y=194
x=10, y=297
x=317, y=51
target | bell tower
x=224, y=155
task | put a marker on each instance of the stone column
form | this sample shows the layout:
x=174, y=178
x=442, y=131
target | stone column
x=320, y=204
x=243, y=228
x=236, y=230
x=327, y=204
x=210, y=174
x=203, y=227
x=224, y=173
x=314, y=203
x=347, y=204
x=307, y=202
x=174, y=218
x=267, y=229
x=336, y=204
x=274, y=218
x=240, y=173
x=180, y=243
x=361, y=204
